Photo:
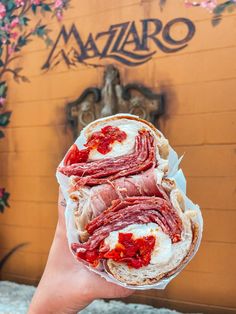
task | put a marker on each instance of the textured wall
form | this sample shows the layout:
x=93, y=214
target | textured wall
x=200, y=83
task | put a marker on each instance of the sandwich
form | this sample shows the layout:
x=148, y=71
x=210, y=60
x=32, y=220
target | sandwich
x=131, y=219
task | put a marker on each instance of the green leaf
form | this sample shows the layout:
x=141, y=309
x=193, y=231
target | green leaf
x=2, y=134
x=231, y=7
x=34, y=8
x=5, y=198
x=10, y=5
x=219, y=9
x=25, y=79
x=41, y=31
x=18, y=70
x=24, y=20
x=22, y=41
x=46, y=7
x=3, y=89
x=162, y=3
x=2, y=207
x=16, y=79
x=1, y=63
x=48, y=42
x=216, y=20
x=5, y=118
x=7, y=19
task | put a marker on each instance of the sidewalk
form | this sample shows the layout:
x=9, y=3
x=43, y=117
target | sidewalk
x=15, y=299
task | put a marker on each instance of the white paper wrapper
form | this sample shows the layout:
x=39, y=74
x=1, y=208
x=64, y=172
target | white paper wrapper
x=173, y=173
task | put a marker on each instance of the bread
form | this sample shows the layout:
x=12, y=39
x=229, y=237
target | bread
x=149, y=275
x=153, y=273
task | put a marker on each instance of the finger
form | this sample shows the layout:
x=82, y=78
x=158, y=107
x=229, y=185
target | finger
x=61, y=210
x=61, y=204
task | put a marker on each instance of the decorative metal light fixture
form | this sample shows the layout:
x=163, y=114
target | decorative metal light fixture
x=114, y=98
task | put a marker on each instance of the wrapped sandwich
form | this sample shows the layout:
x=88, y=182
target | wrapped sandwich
x=127, y=214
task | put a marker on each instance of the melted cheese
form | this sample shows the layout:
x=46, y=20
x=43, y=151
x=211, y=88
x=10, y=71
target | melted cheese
x=163, y=249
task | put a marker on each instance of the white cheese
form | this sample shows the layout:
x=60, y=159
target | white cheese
x=119, y=149
x=162, y=251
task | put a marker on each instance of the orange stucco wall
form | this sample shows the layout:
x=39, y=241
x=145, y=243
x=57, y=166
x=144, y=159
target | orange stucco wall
x=199, y=82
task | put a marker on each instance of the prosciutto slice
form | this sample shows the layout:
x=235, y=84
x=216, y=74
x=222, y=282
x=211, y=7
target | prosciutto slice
x=108, y=169
x=93, y=201
x=132, y=210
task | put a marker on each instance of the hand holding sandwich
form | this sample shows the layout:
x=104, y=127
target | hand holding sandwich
x=126, y=217
x=66, y=285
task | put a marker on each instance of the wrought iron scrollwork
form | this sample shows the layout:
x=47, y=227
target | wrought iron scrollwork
x=114, y=98
x=84, y=105
x=150, y=111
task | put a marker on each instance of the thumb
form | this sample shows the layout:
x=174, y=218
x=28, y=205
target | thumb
x=61, y=208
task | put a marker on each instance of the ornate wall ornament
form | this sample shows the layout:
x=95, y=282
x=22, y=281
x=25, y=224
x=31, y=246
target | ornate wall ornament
x=114, y=98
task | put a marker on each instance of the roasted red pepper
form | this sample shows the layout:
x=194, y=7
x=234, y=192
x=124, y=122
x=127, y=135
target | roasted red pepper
x=101, y=141
x=133, y=252
x=75, y=155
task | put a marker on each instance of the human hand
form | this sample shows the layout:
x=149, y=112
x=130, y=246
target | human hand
x=67, y=286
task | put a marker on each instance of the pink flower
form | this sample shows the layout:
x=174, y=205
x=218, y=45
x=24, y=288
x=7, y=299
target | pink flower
x=4, y=40
x=11, y=49
x=188, y=4
x=2, y=11
x=210, y=4
x=2, y=191
x=6, y=28
x=2, y=102
x=14, y=35
x=35, y=2
x=206, y=4
x=19, y=3
x=58, y=4
x=15, y=22
x=59, y=15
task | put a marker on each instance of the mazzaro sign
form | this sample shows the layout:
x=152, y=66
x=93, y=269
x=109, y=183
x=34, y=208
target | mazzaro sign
x=122, y=42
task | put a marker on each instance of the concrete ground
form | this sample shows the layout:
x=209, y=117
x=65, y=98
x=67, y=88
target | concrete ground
x=15, y=299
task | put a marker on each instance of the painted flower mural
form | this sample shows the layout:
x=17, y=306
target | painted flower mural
x=16, y=31
x=216, y=7
x=213, y=6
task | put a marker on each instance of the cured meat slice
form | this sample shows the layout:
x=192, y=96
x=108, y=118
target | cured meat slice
x=133, y=210
x=91, y=202
x=108, y=169
x=130, y=209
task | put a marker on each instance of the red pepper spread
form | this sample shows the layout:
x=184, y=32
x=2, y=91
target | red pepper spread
x=100, y=140
x=133, y=252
